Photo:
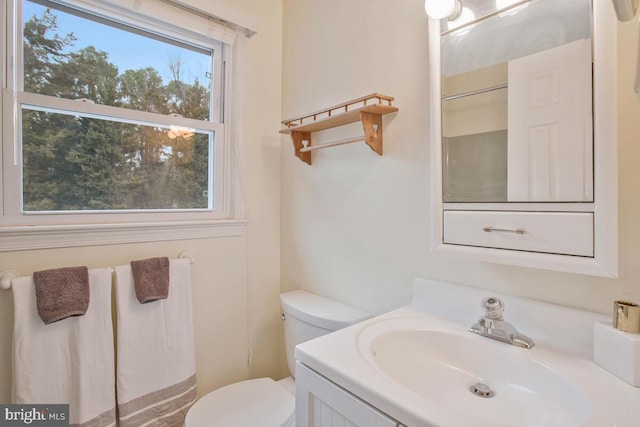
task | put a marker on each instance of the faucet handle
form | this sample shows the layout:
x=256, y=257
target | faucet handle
x=493, y=307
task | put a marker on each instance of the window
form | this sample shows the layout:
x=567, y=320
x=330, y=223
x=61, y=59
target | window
x=111, y=115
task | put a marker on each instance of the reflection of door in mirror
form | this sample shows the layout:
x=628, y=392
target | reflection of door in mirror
x=550, y=125
x=517, y=104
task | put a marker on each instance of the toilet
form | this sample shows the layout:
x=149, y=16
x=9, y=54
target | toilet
x=264, y=402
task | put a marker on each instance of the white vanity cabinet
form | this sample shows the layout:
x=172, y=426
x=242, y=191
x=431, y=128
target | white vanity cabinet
x=322, y=403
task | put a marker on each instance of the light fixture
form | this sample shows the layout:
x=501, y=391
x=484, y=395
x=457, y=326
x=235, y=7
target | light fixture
x=179, y=131
x=465, y=16
x=176, y=131
x=440, y=9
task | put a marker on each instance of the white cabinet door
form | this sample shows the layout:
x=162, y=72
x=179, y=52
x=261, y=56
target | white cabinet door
x=550, y=141
x=321, y=403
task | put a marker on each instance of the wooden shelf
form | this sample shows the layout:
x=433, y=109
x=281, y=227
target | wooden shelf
x=367, y=109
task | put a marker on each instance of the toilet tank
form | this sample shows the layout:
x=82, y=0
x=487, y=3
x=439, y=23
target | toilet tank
x=307, y=316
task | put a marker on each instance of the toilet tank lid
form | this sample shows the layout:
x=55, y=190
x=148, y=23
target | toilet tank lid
x=320, y=311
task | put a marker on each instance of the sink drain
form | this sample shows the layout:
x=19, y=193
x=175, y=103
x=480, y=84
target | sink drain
x=482, y=390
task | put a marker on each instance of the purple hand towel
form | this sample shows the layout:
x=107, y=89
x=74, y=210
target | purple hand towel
x=151, y=279
x=61, y=293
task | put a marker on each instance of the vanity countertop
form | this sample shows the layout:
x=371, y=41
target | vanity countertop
x=561, y=383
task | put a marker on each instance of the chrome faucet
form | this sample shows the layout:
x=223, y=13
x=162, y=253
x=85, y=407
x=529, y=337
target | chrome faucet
x=492, y=325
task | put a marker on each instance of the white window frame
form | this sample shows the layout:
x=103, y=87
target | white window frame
x=33, y=230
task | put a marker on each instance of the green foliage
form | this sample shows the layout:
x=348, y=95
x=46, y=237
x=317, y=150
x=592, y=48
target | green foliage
x=80, y=163
x=42, y=51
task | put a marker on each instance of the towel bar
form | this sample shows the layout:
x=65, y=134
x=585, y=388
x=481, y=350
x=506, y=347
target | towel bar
x=6, y=276
x=332, y=144
x=187, y=254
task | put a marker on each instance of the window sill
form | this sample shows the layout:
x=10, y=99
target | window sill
x=59, y=236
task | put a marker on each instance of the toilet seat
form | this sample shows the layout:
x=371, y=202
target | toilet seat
x=260, y=402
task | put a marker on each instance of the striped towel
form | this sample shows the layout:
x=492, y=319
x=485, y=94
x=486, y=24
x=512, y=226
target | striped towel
x=156, y=381
x=69, y=361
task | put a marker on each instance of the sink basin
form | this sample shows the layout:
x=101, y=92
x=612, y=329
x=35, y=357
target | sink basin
x=451, y=368
x=419, y=365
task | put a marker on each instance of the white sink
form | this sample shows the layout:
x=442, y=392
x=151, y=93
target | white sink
x=446, y=367
x=417, y=364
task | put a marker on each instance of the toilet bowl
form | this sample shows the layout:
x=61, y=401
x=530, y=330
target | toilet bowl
x=264, y=402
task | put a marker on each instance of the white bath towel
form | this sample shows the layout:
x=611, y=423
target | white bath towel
x=156, y=383
x=70, y=361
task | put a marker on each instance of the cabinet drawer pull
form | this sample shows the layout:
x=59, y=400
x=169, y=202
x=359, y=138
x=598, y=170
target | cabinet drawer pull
x=504, y=230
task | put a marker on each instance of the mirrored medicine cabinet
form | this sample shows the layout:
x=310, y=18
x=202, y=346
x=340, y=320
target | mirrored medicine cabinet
x=523, y=132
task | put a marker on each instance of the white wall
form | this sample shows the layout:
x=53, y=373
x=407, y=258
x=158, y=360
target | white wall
x=236, y=280
x=354, y=225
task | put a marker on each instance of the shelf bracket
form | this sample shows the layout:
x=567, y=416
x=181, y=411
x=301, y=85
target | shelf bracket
x=372, y=125
x=297, y=138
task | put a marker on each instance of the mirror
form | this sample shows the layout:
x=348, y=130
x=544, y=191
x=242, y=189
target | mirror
x=494, y=223
x=517, y=109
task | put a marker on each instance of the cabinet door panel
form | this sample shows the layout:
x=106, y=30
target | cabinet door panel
x=321, y=403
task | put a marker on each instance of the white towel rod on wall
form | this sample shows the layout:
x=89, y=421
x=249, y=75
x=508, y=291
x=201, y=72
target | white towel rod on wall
x=189, y=255
x=332, y=144
x=6, y=276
